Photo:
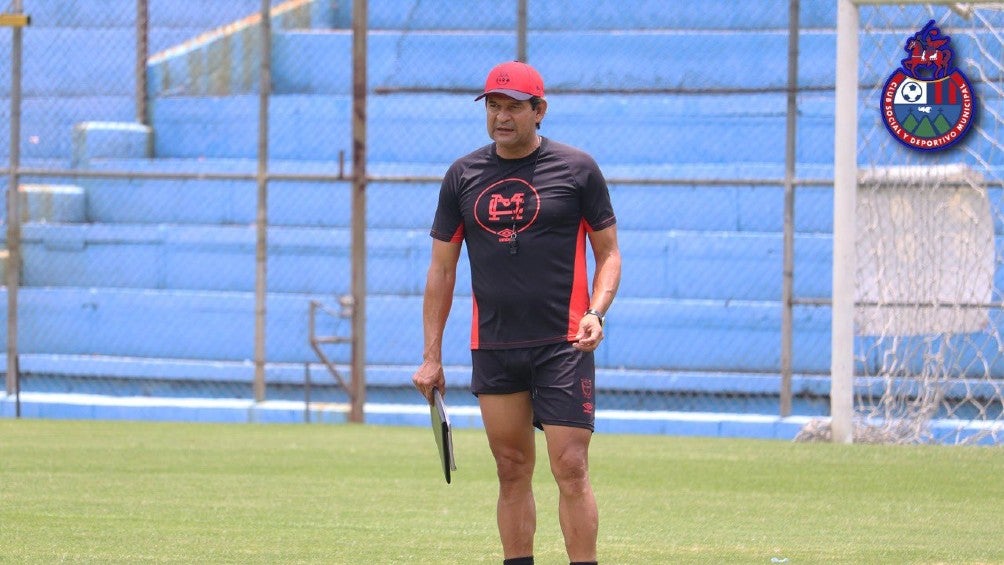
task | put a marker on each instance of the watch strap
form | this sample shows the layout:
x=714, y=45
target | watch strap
x=597, y=314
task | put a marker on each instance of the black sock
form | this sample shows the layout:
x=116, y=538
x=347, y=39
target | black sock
x=582, y=563
x=528, y=560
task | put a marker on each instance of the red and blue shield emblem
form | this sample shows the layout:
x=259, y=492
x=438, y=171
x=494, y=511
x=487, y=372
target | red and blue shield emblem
x=928, y=104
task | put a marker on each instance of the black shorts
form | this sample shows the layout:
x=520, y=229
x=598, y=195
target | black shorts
x=559, y=377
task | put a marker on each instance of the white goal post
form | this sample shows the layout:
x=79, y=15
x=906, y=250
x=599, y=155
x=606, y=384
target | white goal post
x=916, y=350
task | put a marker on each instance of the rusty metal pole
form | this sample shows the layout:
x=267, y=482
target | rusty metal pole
x=16, y=21
x=359, y=29
x=142, y=53
x=521, y=19
x=261, y=228
x=788, y=268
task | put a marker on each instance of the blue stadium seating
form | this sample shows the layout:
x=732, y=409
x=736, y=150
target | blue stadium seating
x=315, y=260
x=158, y=283
x=79, y=63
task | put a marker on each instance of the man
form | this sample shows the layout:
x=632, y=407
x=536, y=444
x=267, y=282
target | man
x=525, y=206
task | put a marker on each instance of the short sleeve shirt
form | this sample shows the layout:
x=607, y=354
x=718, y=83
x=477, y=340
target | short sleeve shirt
x=524, y=222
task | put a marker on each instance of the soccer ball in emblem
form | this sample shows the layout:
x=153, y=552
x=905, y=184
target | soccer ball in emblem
x=912, y=92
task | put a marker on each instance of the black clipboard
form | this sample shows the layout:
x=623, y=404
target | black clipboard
x=443, y=432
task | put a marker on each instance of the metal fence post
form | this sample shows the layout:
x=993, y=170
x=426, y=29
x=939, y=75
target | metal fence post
x=142, y=53
x=521, y=19
x=788, y=274
x=16, y=21
x=359, y=30
x=261, y=244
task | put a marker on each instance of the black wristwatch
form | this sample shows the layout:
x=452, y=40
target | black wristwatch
x=597, y=314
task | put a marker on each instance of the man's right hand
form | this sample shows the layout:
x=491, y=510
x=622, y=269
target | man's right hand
x=429, y=376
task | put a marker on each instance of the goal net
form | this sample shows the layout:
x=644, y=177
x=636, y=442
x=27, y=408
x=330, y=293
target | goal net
x=925, y=289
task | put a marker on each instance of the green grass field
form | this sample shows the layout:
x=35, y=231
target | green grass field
x=127, y=492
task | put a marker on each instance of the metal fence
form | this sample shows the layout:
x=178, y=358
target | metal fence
x=219, y=200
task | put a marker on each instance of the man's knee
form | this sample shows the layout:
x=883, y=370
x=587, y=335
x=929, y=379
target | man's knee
x=513, y=466
x=571, y=470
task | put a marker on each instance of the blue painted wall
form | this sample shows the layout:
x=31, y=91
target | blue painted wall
x=164, y=270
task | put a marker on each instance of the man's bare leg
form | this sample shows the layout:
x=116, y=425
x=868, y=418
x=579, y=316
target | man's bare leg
x=568, y=451
x=508, y=420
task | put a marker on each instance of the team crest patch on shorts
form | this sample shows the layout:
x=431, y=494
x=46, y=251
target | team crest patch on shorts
x=928, y=104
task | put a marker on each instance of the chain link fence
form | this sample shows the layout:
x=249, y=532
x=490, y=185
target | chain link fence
x=141, y=167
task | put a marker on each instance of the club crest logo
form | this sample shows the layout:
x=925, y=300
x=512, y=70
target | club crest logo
x=507, y=208
x=928, y=104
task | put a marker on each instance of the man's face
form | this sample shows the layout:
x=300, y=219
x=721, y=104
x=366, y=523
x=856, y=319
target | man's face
x=512, y=124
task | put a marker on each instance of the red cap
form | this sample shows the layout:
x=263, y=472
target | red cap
x=514, y=79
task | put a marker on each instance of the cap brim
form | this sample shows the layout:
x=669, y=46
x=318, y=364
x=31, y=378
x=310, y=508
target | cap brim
x=510, y=93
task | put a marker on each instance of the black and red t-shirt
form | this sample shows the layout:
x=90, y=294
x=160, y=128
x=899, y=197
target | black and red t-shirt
x=525, y=223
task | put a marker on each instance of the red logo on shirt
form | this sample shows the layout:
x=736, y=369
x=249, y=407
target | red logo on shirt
x=507, y=208
x=500, y=206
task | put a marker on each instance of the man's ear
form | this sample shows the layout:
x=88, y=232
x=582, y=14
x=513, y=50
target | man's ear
x=541, y=110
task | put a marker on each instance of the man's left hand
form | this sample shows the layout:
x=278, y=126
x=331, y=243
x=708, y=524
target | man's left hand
x=590, y=334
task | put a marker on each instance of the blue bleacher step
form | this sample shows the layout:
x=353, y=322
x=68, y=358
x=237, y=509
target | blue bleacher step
x=641, y=130
x=171, y=324
x=633, y=60
x=699, y=335
x=52, y=203
x=218, y=258
x=720, y=265
x=693, y=335
x=48, y=119
x=110, y=140
x=697, y=198
x=730, y=265
x=91, y=78
x=722, y=205
x=226, y=201
x=213, y=202
x=616, y=388
x=601, y=15
x=226, y=60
